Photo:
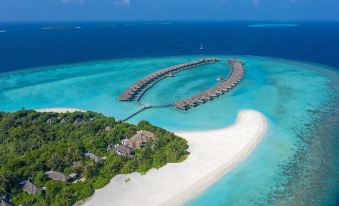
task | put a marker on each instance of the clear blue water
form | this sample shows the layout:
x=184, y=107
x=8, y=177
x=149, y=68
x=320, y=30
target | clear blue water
x=295, y=96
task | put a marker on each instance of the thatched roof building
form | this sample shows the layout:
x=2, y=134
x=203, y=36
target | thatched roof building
x=58, y=176
x=139, y=139
x=31, y=188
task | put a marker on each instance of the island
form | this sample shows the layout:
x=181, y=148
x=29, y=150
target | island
x=212, y=154
x=49, y=158
x=60, y=27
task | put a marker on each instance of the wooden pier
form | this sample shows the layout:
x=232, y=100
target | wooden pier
x=224, y=85
x=143, y=107
x=135, y=92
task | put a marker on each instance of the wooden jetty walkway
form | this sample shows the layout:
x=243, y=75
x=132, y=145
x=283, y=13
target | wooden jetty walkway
x=135, y=92
x=142, y=108
x=225, y=85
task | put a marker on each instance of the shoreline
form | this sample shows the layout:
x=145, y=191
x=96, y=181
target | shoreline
x=213, y=153
x=60, y=110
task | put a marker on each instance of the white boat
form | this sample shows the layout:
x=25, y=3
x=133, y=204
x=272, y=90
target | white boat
x=219, y=78
x=201, y=46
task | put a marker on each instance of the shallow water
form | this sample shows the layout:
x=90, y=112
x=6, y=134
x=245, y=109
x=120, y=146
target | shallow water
x=284, y=91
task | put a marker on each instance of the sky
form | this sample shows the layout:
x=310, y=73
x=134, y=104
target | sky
x=159, y=10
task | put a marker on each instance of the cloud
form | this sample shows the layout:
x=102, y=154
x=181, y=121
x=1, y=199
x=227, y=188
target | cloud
x=295, y=1
x=256, y=2
x=123, y=2
x=72, y=1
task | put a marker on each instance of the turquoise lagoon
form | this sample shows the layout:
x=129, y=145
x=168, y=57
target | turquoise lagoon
x=294, y=96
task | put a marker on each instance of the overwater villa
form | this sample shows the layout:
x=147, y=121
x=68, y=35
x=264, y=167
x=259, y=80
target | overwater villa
x=236, y=74
x=136, y=91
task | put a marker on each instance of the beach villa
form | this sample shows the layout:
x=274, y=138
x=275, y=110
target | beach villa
x=60, y=176
x=31, y=188
x=123, y=150
x=138, y=140
x=4, y=201
x=94, y=157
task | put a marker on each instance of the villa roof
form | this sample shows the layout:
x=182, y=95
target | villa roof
x=93, y=157
x=51, y=119
x=147, y=134
x=139, y=139
x=31, y=188
x=77, y=121
x=108, y=128
x=58, y=176
x=5, y=203
x=122, y=149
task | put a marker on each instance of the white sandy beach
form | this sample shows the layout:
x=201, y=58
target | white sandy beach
x=59, y=110
x=213, y=153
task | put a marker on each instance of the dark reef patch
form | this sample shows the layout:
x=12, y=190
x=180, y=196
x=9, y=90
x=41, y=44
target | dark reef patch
x=312, y=172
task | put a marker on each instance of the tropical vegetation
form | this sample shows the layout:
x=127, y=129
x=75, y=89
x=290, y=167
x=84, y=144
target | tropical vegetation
x=32, y=143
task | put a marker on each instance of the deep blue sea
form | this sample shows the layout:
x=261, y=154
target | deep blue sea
x=291, y=77
x=26, y=45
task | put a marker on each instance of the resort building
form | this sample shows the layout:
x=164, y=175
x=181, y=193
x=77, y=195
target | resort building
x=78, y=121
x=51, y=120
x=31, y=188
x=4, y=201
x=94, y=157
x=138, y=140
x=224, y=85
x=123, y=150
x=60, y=176
x=136, y=91
x=108, y=129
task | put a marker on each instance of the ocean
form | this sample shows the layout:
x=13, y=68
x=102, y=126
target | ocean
x=310, y=41
x=291, y=77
